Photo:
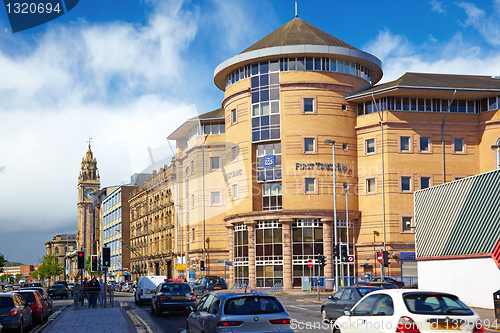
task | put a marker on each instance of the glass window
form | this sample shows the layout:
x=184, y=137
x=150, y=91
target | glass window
x=404, y=143
x=425, y=144
x=310, y=185
x=309, y=145
x=370, y=146
x=406, y=223
x=384, y=306
x=364, y=307
x=425, y=182
x=233, y=116
x=235, y=191
x=215, y=163
x=308, y=105
x=234, y=152
x=405, y=183
x=346, y=295
x=215, y=198
x=458, y=145
x=370, y=185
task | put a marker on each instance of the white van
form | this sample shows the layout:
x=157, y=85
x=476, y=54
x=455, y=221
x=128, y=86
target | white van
x=146, y=286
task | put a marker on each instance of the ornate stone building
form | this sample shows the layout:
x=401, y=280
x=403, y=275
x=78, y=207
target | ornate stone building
x=152, y=222
x=60, y=246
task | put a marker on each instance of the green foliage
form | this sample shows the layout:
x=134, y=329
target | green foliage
x=3, y=262
x=50, y=267
x=18, y=276
x=88, y=267
x=4, y=277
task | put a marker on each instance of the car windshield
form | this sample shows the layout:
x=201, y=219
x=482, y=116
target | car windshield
x=175, y=287
x=436, y=304
x=6, y=302
x=249, y=305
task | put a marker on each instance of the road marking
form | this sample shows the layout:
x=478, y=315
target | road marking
x=138, y=321
x=297, y=307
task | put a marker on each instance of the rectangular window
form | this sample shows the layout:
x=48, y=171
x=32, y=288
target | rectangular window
x=344, y=146
x=309, y=145
x=405, y=184
x=192, y=233
x=308, y=105
x=215, y=163
x=404, y=144
x=370, y=146
x=310, y=185
x=458, y=145
x=235, y=191
x=370, y=185
x=425, y=144
x=233, y=116
x=234, y=153
x=215, y=198
x=406, y=223
x=425, y=182
x=192, y=200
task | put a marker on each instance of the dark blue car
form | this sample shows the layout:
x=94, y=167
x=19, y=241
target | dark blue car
x=15, y=313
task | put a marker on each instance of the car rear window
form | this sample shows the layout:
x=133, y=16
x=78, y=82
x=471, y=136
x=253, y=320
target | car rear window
x=175, y=287
x=364, y=291
x=28, y=297
x=215, y=281
x=436, y=304
x=248, y=305
x=6, y=302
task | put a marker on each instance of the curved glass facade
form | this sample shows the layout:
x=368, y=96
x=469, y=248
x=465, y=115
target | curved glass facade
x=304, y=64
x=307, y=242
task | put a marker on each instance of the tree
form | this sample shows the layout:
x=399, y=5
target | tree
x=3, y=262
x=4, y=277
x=50, y=267
x=18, y=276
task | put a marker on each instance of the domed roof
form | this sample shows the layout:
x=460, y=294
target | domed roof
x=298, y=32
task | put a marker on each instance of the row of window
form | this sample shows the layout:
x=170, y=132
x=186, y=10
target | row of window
x=429, y=105
x=424, y=145
x=299, y=64
x=111, y=200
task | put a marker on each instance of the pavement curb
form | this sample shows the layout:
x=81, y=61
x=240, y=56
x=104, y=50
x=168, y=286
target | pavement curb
x=52, y=321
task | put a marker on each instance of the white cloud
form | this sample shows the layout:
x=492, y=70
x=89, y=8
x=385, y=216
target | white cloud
x=437, y=6
x=486, y=25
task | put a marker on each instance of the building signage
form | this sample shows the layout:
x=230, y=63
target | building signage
x=322, y=166
x=234, y=173
x=407, y=255
x=268, y=161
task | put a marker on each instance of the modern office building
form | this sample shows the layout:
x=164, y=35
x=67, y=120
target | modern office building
x=308, y=151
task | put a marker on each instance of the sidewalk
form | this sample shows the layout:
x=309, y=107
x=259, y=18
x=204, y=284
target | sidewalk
x=85, y=319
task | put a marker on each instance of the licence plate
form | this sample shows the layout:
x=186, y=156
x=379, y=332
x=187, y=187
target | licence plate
x=177, y=297
x=217, y=287
x=446, y=326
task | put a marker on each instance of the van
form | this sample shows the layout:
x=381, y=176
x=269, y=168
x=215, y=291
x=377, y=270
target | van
x=146, y=287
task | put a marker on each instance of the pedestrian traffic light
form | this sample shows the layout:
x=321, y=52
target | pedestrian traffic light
x=106, y=257
x=336, y=250
x=80, y=260
x=94, y=267
x=343, y=253
x=385, y=258
x=202, y=265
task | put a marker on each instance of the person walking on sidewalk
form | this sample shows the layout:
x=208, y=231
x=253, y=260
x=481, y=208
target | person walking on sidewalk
x=93, y=288
x=85, y=290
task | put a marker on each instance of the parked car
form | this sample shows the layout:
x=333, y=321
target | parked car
x=385, y=285
x=119, y=287
x=343, y=299
x=411, y=286
x=401, y=310
x=399, y=284
x=8, y=288
x=71, y=286
x=146, y=287
x=16, y=286
x=35, y=284
x=171, y=296
x=45, y=296
x=39, y=308
x=239, y=312
x=15, y=313
x=208, y=284
x=58, y=290
x=64, y=283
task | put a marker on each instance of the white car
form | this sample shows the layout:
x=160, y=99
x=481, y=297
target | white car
x=410, y=311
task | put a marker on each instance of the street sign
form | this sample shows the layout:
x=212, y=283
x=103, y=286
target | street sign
x=310, y=263
x=220, y=261
x=180, y=267
x=350, y=258
x=379, y=257
x=229, y=263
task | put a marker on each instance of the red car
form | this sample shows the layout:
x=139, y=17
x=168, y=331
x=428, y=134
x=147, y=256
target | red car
x=39, y=308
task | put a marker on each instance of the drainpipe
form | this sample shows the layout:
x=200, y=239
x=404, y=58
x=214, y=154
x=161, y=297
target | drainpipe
x=442, y=136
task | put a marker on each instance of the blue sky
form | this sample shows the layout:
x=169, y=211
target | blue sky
x=128, y=73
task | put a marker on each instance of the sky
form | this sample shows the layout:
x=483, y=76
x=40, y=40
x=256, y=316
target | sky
x=126, y=74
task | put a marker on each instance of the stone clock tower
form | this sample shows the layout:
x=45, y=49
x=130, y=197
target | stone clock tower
x=88, y=182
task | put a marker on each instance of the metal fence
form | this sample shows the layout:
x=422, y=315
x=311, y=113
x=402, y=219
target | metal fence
x=104, y=299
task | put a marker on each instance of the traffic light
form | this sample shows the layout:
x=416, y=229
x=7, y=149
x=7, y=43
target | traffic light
x=385, y=258
x=323, y=260
x=202, y=265
x=335, y=250
x=106, y=257
x=343, y=253
x=94, y=267
x=80, y=260
x=320, y=260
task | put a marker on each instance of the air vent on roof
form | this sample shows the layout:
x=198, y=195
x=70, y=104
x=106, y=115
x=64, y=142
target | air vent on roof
x=497, y=77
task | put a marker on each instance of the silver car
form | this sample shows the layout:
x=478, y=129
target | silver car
x=229, y=311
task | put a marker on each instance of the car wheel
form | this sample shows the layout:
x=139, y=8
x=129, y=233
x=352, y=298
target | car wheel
x=336, y=330
x=152, y=308
x=324, y=318
x=139, y=301
x=157, y=313
x=20, y=329
x=135, y=301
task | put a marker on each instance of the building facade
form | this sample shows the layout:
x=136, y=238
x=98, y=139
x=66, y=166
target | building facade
x=152, y=226
x=61, y=246
x=308, y=151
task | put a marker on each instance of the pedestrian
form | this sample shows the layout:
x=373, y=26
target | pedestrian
x=93, y=288
x=85, y=290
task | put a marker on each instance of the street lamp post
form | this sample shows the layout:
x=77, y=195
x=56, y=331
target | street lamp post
x=332, y=142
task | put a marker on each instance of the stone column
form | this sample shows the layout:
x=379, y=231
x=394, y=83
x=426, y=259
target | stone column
x=328, y=246
x=251, y=253
x=287, y=253
x=230, y=232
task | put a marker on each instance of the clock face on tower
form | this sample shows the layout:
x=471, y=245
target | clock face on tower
x=88, y=193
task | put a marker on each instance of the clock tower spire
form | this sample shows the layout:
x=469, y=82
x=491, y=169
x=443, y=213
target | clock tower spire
x=88, y=182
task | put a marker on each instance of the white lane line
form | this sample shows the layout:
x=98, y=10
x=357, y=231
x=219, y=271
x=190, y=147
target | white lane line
x=297, y=307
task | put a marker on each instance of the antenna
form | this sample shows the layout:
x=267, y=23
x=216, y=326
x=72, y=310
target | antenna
x=296, y=14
